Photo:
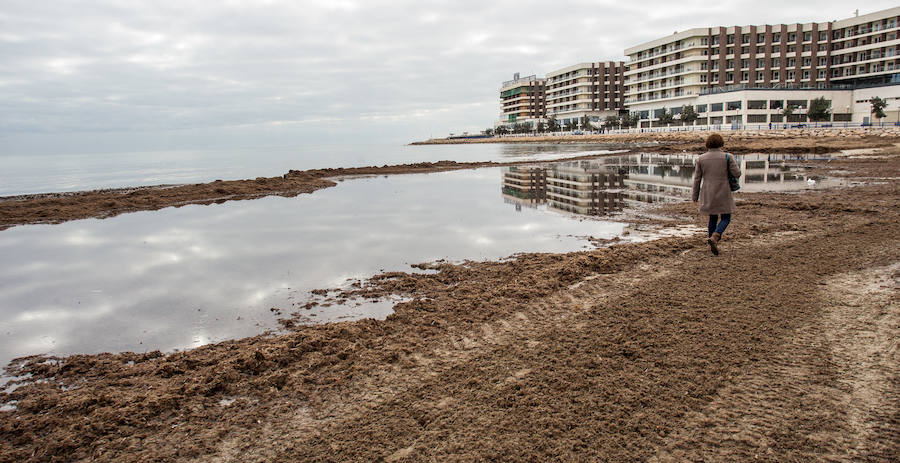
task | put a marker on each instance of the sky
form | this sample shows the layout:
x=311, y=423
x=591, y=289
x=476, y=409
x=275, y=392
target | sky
x=113, y=76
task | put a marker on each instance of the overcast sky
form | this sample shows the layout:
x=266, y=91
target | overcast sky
x=81, y=76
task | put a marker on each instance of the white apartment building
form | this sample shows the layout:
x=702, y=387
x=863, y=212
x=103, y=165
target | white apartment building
x=681, y=69
x=593, y=90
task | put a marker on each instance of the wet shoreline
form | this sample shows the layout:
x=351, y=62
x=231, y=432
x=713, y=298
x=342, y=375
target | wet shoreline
x=62, y=207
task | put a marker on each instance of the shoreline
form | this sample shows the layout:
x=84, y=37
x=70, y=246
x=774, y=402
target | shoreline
x=696, y=136
x=52, y=208
x=630, y=343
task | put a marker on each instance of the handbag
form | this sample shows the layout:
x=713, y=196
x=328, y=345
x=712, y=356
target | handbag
x=732, y=181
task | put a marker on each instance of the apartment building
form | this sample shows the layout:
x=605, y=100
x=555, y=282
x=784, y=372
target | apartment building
x=729, y=75
x=522, y=100
x=673, y=71
x=592, y=90
x=865, y=50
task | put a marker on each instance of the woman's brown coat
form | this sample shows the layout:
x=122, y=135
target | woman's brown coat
x=714, y=194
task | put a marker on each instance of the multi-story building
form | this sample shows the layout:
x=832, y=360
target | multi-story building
x=522, y=100
x=592, y=90
x=865, y=50
x=735, y=75
x=673, y=71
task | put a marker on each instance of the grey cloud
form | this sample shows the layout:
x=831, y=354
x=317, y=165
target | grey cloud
x=403, y=69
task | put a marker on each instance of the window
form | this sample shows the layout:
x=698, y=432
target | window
x=756, y=118
x=805, y=75
x=729, y=51
x=745, y=50
x=822, y=74
x=823, y=36
x=776, y=104
x=715, y=65
x=807, y=47
x=823, y=61
x=776, y=62
x=756, y=104
x=745, y=38
x=701, y=108
x=729, y=77
x=729, y=64
x=776, y=75
x=715, y=107
x=760, y=50
x=715, y=77
x=790, y=75
x=730, y=39
x=745, y=63
x=734, y=105
x=703, y=78
x=807, y=62
x=715, y=40
x=801, y=104
x=745, y=76
x=760, y=76
x=704, y=40
x=760, y=63
x=807, y=36
x=791, y=62
x=760, y=38
x=792, y=37
x=776, y=37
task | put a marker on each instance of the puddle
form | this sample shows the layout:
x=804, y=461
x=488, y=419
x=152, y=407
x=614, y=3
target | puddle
x=608, y=185
x=184, y=277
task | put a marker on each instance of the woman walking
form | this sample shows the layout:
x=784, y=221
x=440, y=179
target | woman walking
x=712, y=189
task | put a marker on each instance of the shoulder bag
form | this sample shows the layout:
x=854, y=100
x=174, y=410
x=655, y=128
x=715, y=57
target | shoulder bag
x=732, y=181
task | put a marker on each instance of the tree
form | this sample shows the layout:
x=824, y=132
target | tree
x=788, y=111
x=629, y=120
x=586, y=123
x=878, y=107
x=570, y=125
x=541, y=127
x=501, y=130
x=665, y=117
x=688, y=115
x=611, y=122
x=819, y=109
x=488, y=132
x=552, y=124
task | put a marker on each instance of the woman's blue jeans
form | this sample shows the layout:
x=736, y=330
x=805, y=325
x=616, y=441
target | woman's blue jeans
x=715, y=226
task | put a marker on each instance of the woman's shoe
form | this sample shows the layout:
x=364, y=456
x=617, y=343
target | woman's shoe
x=713, y=242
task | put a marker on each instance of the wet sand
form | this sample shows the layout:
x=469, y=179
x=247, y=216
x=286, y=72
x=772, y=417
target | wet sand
x=783, y=348
x=61, y=207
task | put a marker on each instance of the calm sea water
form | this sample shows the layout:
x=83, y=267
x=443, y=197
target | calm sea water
x=74, y=172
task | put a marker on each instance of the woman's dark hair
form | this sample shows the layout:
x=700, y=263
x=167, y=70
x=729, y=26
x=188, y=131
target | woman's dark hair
x=714, y=141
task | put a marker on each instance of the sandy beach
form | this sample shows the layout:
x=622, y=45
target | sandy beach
x=783, y=348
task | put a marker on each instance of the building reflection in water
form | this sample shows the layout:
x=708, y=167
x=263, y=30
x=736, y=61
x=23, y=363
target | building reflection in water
x=602, y=186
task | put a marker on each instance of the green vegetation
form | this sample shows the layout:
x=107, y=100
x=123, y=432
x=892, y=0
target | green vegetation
x=819, y=109
x=878, y=106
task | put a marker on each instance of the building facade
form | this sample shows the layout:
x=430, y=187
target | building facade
x=522, y=100
x=732, y=75
x=592, y=90
x=677, y=70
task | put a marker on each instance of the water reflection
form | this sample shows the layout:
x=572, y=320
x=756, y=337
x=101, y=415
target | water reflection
x=603, y=186
x=183, y=277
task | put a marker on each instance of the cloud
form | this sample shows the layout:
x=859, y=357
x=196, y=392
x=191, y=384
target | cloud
x=408, y=67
